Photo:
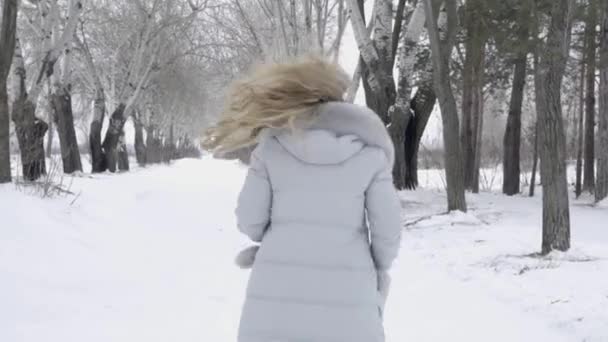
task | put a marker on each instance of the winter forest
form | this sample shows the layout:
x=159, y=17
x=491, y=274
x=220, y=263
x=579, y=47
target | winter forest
x=116, y=225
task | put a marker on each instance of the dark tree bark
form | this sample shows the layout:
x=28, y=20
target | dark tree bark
x=449, y=112
x=402, y=129
x=397, y=28
x=171, y=141
x=601, y=186
x=30, y=136
x=140, y=146
x=50, y=136
x=578, y=188
x=591, y=46
x=153, y=145
x=7, y=42
x=548, y=81
x=422, y=105
x=512, y=138
x=61, y=101
x=399, y=124
x=534, y=162
x=111, y=141
x=30, y=129
x=98, y=158
x=472, y=97
x=478, y=125
x=123, y=154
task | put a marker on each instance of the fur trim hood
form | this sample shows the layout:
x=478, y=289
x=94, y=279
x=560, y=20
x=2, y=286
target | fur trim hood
x=347, y=126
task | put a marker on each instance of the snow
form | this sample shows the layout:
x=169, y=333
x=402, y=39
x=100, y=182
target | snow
x=149, y=256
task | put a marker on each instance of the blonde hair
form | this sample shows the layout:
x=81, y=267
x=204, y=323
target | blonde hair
x=274, y=96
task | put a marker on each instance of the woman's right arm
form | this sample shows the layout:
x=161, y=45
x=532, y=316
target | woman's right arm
x=384, y=216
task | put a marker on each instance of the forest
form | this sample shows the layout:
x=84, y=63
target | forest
x=77, y=74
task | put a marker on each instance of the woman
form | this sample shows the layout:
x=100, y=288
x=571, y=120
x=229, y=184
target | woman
x=320, y=200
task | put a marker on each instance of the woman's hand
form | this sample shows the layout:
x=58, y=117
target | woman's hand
x=246, y=257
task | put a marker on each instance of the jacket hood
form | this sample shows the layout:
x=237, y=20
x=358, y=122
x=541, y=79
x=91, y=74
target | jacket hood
x=320, y=147
x=338, y=131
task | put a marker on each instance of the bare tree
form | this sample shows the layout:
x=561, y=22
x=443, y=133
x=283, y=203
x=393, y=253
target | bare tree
x=7, y=42
x=61, y=97
x=376, y=58
x=406, y=115
x=534, y=160
x=512, y=137
x=548, y=81
x=441, y=51
x=98, y=163
x=472, y=97
x=29, y=128
x=400, y=113
x=601, y=186
x=578, y=188
x=590, y=56
x=145, y=38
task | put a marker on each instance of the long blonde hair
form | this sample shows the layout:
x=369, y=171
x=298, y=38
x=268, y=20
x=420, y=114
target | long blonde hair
x=274, y=96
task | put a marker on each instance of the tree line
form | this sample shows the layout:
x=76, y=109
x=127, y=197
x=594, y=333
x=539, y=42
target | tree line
x=120, y=61
x=162, y=65
x=469, y=51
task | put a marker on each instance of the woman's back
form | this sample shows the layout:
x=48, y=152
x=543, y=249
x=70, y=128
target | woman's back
x=308, y=197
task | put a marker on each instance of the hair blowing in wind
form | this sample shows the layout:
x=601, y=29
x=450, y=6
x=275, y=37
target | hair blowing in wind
x=274, y=96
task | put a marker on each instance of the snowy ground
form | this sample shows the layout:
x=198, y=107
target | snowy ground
x=147, y=256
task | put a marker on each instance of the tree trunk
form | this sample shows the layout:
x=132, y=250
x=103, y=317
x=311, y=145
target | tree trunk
x=98, y=158
x=30, y=129
x=172, y=141
x=30, y=136
x=441, y=51
x=7, y=42
x=123, y=154
x=112, y=140
x=351, y=93
x=399, y=122
x=61, y=101
x=601, y=186
x=579, y=132
x=166, y=152
x=534, y=161
x=50, y=137
x=376, y=54
x=472, y=97
x=589, y=154
x=478, y=119
x=422, y=105
x=140, y=146
x=548, y=80
x=5, y=157
x=512, y=139
x=397, y=28
x=400, y=113
x=153, y=145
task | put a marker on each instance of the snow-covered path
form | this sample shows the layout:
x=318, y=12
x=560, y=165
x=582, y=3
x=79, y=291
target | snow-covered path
x=147, y=256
